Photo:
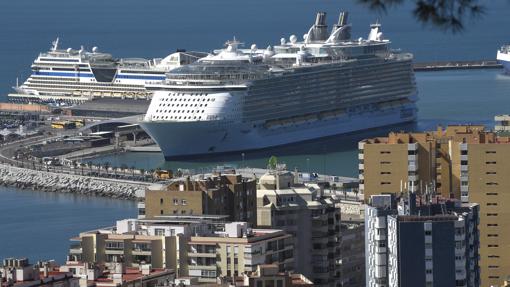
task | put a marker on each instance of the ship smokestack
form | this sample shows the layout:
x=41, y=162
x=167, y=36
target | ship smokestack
x=319, y=31
x=341, y=31
x=342, y=19
x=320, y=20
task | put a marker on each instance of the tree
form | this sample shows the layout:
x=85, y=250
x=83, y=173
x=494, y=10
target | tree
x=273, y=162
x=142, y=171
x=106, y=166
x=449, y=15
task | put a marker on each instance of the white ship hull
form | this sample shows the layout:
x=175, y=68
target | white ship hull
x=198, y=138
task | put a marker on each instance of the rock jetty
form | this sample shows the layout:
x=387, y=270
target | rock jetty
x=69, y=183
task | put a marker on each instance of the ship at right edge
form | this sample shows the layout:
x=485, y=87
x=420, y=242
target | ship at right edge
x=503, y=58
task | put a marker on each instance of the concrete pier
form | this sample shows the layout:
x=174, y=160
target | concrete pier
x=456, y=65
x=69, y=183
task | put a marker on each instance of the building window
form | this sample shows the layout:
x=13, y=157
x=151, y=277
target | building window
x=161, y=212
x=492, y=204
x=184, y=202
x=159, y=231
x=161, y=201
x=492, y=214
x=176, y=201
x=490, y=162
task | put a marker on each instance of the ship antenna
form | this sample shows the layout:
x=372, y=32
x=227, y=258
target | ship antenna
x=54, y=46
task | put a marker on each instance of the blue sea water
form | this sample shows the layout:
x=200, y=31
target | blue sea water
x=38, y=225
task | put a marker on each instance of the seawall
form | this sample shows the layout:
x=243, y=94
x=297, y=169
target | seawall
x=69, y=183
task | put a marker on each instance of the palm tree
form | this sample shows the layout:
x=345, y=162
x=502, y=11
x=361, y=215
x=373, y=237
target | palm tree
x=89, y=164
x=106, y=165
x=142, y=171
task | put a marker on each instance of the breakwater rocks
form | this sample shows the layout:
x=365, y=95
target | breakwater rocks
x=69, y=183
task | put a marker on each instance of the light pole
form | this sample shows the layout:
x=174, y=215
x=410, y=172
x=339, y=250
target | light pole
x=308, y=165
x=242, y=161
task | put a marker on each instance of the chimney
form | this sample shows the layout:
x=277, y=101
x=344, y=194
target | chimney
x=342, y=19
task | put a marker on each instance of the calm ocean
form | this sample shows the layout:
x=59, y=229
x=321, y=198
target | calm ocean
x=38, y=225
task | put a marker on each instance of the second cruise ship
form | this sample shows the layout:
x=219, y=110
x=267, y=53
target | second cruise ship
x=241, y=99
x=79, y=75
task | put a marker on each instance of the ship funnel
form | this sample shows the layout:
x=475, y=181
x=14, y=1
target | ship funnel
x=319, y=31
x=341, y=31
x=342, y=19
x=320, y=20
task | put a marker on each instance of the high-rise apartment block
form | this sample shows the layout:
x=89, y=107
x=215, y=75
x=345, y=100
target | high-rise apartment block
x=421, y=242
x=313, y=220
x=218, y=194
x=463, y=162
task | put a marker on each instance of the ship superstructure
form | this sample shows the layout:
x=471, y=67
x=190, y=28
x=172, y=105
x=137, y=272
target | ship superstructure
x=503, y=58
x=239, y=99
x=79, y=75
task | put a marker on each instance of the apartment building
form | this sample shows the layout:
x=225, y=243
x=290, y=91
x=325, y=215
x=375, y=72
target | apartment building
x=205, y=247
x=220, y=194
x=465, y=162
x=421, y=243
x=353, y=253
x=313, y=220
x=18, y=272
x=239, y=250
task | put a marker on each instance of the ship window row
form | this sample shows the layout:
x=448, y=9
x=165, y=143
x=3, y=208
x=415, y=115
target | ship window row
x=113, y=88
x=177, y=117
x=180, y=111
x=73, y=81
x=183, y=105
x=184, y=100
x=183, y=94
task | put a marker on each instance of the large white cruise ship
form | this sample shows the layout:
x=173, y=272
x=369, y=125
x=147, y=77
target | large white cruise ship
x=242, y=99
x=80, y=75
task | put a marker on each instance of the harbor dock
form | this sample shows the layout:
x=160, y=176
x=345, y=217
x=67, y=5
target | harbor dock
x=456, y=65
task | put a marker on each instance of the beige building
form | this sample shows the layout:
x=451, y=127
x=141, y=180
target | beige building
x=270, y=276
x=219, y=194
x=463, y=162
x=310, y=217
x=239, y=250
x=194, y=246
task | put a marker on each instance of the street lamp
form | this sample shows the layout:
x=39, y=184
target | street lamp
x=242, y=162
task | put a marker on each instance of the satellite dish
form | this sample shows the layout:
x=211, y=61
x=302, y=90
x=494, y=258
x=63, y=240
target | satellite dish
x=94, y=50
x=282, y=41
x=69, y=50
x=254, y=47
x=293, y=39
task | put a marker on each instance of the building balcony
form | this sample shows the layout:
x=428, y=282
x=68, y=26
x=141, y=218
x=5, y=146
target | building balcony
x=206, y=255
x=412, y=146
x=463, y=168
x=464, y=157
x=412, y=157
x=75, y=248
x=361, y=166
x=141, y=252
x=202, y=267
x=412, y=167
x=114, y=251
x=361, y=156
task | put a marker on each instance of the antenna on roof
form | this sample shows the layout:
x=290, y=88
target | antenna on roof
x=54, y=44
